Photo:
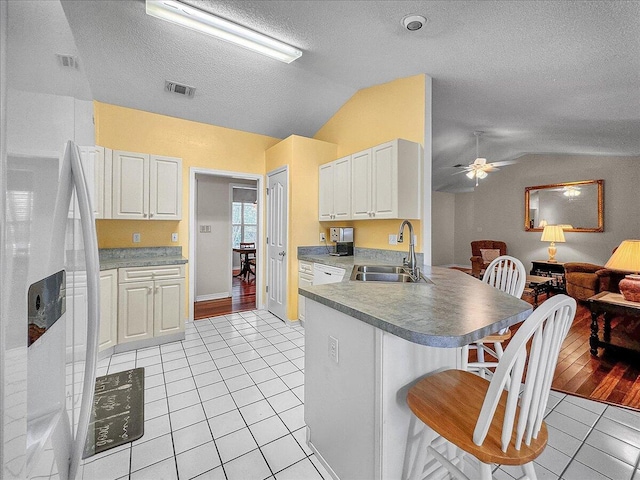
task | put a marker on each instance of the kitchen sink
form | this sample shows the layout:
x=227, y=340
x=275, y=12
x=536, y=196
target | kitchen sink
x=384, y=273
x=380, y=269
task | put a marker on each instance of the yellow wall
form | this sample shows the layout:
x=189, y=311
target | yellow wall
x=373, y=116
x=302, y=156
x=198, y=144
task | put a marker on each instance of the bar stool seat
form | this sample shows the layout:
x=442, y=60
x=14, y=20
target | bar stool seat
x=450, y=403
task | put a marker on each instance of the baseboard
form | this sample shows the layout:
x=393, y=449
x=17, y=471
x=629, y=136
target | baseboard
x=213, y=296
x=149, y=342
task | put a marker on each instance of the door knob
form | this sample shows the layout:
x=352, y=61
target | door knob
x=282, y=254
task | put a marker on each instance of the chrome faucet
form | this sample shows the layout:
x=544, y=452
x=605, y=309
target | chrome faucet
x=411, y=264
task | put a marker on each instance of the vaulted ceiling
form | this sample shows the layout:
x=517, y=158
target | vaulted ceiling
x=537, y=77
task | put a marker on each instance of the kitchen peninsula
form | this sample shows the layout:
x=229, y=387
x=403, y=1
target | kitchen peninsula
x=367, y=342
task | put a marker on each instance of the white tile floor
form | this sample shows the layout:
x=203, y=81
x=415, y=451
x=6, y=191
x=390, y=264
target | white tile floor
x=227, y=403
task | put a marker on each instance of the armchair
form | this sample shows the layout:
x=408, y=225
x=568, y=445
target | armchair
x=583, y=280
x=480, y=262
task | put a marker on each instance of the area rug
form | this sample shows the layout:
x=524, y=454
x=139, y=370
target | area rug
x=117, y=416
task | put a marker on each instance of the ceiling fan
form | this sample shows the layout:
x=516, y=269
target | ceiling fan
x=479, y=168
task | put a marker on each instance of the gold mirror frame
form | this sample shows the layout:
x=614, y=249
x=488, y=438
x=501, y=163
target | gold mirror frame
x=599, y=183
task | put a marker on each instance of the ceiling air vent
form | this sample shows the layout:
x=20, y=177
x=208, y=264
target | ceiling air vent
x=67, y=61
x=174, y=87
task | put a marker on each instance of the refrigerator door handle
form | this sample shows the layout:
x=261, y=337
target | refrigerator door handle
x=93, y=300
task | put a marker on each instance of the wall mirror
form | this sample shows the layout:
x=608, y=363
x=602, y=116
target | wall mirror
x=578, y=206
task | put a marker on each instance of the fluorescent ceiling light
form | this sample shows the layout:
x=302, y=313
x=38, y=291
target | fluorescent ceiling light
x=201, y=21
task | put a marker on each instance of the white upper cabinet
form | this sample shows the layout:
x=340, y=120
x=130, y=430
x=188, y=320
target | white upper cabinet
x=146, y=186
x=96, y=165
x=165, y=188
x=361, y=185
x=335, y=190
x=385, y=181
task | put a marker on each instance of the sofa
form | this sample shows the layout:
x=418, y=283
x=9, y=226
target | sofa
x=584, y=280
x=483, y=252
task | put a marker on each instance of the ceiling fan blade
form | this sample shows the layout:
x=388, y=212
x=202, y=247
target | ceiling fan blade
x=490, y=168
x=461, y=171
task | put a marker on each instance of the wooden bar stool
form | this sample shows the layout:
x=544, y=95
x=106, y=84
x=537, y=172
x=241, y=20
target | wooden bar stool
x=498, y=421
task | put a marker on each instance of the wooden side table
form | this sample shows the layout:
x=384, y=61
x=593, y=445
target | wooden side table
x=555, y=270
x=608, y=305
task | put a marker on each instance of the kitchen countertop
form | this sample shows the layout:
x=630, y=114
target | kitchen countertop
x=452, y=311
x=140, y=257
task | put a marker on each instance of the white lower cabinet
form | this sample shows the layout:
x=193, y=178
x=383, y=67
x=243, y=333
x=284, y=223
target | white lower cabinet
x=108, y=309
x=150, y=302
x=305, y=279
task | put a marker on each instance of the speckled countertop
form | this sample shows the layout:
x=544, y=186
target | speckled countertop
x=453, y=310
x=140, y=257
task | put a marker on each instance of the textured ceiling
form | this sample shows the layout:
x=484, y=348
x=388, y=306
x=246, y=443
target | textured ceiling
x=537, y=77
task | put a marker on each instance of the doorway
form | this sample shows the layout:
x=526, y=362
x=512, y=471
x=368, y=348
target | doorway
x=213, y=290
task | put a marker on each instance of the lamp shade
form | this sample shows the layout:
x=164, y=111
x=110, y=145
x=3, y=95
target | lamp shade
x=552, y=233
x=626, y=257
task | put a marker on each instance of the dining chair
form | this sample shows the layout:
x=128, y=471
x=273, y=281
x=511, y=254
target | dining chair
x=250, y=258
x=498, y=421
x=508, y=274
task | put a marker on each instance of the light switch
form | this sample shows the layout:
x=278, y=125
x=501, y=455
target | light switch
x=174, y=237
x=393, y=239
x=136, y=238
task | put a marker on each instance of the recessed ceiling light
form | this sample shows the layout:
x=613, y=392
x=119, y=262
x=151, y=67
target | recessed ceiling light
x=205, y=22
x=413, y=22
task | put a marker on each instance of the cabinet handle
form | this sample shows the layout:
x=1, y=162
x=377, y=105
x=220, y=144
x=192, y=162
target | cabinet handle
x=144, y=215
x=149, y=290
x=157, y=289
x=150, y=215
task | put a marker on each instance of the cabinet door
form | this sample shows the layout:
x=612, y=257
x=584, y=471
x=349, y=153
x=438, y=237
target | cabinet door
x=108, y=309
x=385, y=180
x=135, y=311
x=165, y=188
x=130, y=185
x=168, y=307
x=342, y=189
x=326, y=192
x=361, y=185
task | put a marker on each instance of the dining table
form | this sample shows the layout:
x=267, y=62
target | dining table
x=244, y=252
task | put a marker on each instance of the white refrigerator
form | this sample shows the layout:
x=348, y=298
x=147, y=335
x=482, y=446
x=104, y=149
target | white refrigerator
x=49, y=271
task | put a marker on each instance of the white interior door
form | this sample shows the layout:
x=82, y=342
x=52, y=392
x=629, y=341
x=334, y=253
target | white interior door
x=277, y=221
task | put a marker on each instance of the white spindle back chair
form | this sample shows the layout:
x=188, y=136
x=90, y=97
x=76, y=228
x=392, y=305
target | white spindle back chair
x=508, y=274
x=509, y=409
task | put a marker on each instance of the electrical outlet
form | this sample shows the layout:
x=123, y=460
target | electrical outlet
x=136, y=238
x=333, y=349
x=393, y=239
x=323, y=237
x=174, y=237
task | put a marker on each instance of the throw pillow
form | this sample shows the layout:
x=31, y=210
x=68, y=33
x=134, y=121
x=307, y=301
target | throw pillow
x=489, y=254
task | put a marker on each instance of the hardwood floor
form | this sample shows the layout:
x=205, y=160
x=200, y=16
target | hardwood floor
x=612, y=376
x=243, y=297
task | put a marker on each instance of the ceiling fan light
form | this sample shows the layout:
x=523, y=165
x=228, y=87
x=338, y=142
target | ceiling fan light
x=481, y=174
x=480, y=161
x=471, y=174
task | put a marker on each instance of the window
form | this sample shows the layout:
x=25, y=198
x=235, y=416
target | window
x=244, y=217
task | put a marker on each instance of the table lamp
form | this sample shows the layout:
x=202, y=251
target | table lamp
x=627, y=259
x=553, y=234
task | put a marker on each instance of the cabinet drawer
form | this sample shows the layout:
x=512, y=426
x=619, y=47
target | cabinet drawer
x=136, y=274
x=305, y=267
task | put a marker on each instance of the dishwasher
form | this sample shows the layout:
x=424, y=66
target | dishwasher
x=326, y=274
